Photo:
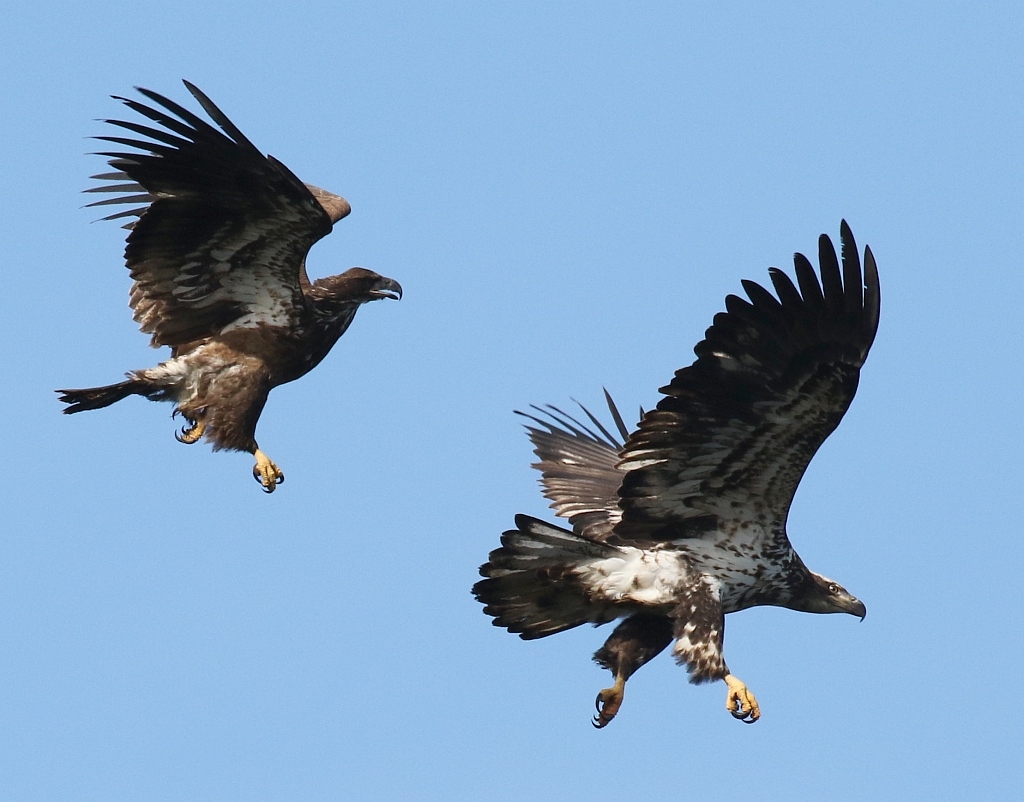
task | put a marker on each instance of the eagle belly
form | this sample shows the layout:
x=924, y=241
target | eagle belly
x=217, y=384
x=642, y=577
x=694, y=583
x=751, y=564
x=667, y=583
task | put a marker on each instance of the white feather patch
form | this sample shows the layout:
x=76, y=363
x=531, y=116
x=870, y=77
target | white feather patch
x=636, y=575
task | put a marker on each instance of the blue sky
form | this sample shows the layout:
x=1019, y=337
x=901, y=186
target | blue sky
x=567, y=192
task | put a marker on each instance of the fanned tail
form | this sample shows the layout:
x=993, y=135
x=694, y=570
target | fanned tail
x=531, y=586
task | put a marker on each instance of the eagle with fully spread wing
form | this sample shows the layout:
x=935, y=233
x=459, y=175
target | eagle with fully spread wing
x=217, y=255
x=684, y=520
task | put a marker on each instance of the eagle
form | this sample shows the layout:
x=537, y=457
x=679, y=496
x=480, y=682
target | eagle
x=683, y=520
x=217, y=256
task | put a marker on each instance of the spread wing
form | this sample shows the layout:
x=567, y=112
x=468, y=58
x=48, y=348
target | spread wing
x=223, y=231
x=736, y=430
x=578, y=467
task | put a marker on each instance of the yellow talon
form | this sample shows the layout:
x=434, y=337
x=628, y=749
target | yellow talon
x=609, y=701
x=266, y=472
x=740, y=702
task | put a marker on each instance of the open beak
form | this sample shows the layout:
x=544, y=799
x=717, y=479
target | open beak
x=389, y=288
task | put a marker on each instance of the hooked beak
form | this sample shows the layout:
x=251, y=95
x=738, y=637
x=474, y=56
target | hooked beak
x=389, y=288
x=858, y=609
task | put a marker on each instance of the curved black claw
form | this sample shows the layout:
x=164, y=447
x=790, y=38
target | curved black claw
x=607, y=704
x=278, y=480
x=740, y=702
x=596, y=720
x=189, y=434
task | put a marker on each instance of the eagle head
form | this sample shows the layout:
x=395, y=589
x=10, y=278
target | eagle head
x=825, y=595
x=360, y=285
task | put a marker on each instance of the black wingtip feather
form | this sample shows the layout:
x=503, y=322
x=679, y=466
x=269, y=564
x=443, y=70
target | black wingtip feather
x=600, y=426
x=217, y=115
x=174, y=108
x=620, y=425
x=789, y=295
x=872, y=296
x=852, y=276
x=807, y=280
x=831, y=281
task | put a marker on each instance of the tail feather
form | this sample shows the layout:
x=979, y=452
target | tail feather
x=99, y=397
x=531, y=586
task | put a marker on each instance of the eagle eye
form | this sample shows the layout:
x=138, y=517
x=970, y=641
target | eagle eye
x=833, y=587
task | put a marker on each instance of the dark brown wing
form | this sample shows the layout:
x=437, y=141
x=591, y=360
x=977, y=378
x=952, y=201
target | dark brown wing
x=223, y=239
x=736, y=430
x=578, y=467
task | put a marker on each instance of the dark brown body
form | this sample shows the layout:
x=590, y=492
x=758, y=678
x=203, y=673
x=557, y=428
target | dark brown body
x=223, y=382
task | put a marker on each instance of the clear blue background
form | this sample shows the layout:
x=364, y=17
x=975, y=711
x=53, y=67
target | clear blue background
x=567, y=191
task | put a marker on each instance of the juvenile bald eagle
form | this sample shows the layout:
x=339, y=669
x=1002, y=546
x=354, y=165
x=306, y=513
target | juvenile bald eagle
x=684, y=520
x=218, y=260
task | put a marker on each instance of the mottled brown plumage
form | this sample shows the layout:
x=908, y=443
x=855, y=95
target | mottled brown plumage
x=683, y=520
x=217, y=258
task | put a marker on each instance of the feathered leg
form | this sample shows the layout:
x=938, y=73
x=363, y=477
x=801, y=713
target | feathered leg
x=636, y=641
